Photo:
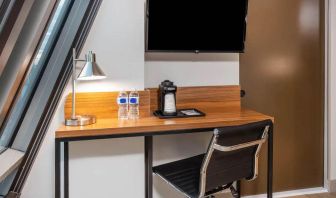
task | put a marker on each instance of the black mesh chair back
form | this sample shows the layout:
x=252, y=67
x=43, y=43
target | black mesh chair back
x=233, y=155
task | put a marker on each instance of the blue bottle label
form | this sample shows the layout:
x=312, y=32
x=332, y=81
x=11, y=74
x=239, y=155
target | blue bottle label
x=122, y=100
x=134, y=100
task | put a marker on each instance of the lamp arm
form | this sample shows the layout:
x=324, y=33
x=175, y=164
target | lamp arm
x=74, y=78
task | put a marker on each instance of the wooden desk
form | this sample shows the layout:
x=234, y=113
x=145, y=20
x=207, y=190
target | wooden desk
x=217, y=115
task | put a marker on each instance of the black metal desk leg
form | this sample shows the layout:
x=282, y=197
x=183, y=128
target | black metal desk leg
x=66, y=170
x=148, y=166
x=270, y=164
x=58, y=165
x=57, y=169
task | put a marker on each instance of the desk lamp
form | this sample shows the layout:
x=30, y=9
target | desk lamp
x=90, y=71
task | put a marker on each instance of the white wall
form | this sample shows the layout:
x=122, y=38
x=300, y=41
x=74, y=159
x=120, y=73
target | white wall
x=192, y=69
x=332, y=93
x=186, y=70
x=114, y=168
x=40, y=183
x=97, y=167
x=117, y=37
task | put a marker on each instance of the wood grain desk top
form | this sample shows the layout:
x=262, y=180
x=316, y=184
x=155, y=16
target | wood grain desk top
x=220, y=103
x=151, y=124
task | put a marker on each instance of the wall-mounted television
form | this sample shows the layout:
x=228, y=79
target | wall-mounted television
x=196, y=25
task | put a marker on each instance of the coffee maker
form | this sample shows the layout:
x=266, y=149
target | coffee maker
x=167, y=98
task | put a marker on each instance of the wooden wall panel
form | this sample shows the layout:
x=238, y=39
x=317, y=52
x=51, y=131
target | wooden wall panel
x=282, y=71
x=103, y=104
x=214, y=98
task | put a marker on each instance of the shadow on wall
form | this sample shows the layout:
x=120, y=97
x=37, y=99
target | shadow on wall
x=169, y=148
x=162, y=189
x=190, y=57
x=104, y=148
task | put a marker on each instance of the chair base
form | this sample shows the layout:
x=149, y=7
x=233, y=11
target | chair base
x=234, y=192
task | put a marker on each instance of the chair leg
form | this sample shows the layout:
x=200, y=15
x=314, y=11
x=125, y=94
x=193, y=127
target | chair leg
x=234, y=192
x=238, y=188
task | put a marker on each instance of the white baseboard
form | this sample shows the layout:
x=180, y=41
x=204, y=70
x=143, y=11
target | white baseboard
x=332, y=186
x=293, y=193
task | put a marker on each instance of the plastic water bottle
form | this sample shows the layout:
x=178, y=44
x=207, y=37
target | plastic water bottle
x=133, y=112
x=123, y=105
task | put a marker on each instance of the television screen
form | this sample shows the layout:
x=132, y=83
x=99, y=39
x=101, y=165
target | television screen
x=196, y=25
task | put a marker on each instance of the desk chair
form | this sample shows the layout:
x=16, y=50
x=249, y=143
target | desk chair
x=232, y=155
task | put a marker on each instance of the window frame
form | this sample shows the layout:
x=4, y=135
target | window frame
x=13, y=108
x=49, y=90
x=19, y=49
x=9, y=23
x=11, y=159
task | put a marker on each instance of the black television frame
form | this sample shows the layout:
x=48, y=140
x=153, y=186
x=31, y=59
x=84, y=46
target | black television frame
x=191, y=51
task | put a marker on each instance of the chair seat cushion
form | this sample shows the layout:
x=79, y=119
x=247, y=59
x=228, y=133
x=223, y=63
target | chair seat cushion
x=183, y=174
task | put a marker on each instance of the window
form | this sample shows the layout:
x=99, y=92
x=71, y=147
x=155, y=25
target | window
x=50, y=68
x=2, y=149
x=9, y=16
x=5, y=8
x=29, y=83
x=33, y=74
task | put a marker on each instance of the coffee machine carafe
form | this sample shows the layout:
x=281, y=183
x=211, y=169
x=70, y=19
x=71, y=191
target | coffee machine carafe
x=167, y=98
